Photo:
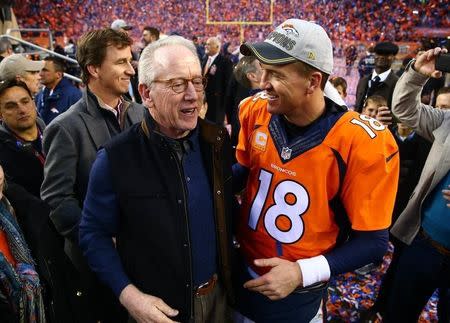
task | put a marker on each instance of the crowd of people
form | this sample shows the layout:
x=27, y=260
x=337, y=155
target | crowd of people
x=171, y=185
x=365, y=21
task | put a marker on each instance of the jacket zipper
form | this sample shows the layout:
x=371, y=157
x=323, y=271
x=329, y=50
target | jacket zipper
x=181, y=174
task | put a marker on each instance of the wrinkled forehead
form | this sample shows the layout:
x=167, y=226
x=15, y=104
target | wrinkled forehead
x=114, y=52
x=176, y=59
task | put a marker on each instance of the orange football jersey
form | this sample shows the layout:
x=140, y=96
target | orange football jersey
x=287, y=209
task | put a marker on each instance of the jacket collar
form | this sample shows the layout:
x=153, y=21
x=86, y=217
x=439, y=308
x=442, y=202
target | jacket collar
x=61, y=84
x=6, y=132
x=383, y=76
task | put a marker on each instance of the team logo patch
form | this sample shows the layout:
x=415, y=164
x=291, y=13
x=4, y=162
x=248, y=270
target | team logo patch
x=289, y=29
x=260, y=141
x=286, y=153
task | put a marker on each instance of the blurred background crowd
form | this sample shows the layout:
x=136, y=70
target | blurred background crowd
x=355, y=28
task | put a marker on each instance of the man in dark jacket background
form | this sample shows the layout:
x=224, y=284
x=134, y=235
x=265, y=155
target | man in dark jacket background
x=23, y=161
x=21, y=137
x=243, y=83
x=72, y=140
x=382, y=80
x=218, y=71
x=58, y=93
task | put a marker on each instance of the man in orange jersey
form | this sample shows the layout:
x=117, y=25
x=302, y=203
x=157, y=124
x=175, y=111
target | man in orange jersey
x=320, y=180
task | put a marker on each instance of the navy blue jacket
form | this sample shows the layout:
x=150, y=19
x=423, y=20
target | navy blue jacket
x=20, y=160
x=153, y=245
x=64, y=95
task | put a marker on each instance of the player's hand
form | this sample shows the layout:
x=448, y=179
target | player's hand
x=384, y=115
x=279, y=282
x=446, y=194
x=424, y=63
x=145, y=308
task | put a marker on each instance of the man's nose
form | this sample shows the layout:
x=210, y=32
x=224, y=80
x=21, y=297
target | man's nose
x=191, y=93
x=130, y=69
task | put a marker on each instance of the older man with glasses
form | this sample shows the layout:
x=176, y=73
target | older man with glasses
x=168, y=203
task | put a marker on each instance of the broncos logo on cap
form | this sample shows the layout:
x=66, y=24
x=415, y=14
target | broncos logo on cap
x=289, y=28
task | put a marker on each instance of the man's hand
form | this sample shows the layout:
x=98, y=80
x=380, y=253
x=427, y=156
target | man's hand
x=279, y=282
x=424, y=63
x=446, y=194
x=146, y=308
x=384, y=115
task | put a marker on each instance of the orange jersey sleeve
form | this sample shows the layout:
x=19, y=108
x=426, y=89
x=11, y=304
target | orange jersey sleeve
x=252, y=111
x=371, y=180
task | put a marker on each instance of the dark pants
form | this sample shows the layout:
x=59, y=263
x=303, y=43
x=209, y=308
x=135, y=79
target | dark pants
x=388, y=278
x=295, y=308
x=443, y=306
x=421, y=269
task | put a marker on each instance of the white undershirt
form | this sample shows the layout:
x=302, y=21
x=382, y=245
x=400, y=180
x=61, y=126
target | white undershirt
x=383, y=76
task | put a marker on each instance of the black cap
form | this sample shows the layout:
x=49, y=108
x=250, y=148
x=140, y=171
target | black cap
x=267, y=53
x=386, y=48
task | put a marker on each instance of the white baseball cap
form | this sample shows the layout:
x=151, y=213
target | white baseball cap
x=120, y=24
x=17, y=64
x=294, y=40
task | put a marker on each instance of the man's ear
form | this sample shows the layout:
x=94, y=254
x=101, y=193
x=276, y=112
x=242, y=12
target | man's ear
x=93, y=71
x=315, y=79
x=144, y=91
x=251, y=76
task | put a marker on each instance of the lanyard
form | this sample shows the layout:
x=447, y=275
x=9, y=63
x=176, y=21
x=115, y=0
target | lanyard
x=20, y=142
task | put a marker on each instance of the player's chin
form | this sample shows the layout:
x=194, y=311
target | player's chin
x=273, y=108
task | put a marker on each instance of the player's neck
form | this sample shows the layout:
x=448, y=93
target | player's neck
x=307, y=113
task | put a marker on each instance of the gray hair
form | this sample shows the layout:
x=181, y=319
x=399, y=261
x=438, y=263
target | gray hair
x=216, y=41
x=5, y=44
x=244, y=66
x=147, y=60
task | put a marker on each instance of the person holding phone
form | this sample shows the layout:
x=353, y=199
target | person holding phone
x=424, y=225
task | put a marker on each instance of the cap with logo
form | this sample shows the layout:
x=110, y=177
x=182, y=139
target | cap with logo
x=294, y=40
x=18, y=64
x=120, y=24
x=386, y=48
x=297, y=40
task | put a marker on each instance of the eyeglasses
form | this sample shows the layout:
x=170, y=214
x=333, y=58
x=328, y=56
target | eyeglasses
x=179, y=85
